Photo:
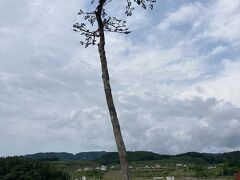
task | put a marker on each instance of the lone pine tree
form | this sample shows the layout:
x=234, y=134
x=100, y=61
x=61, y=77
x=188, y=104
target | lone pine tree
x=97, y=23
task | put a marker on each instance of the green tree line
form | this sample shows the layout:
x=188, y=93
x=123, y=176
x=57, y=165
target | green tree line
x=12, y=168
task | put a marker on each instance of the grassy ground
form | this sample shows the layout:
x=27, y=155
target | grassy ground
x=73, y=168
x=115, y=175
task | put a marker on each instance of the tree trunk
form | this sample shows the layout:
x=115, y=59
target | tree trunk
x=107, y=89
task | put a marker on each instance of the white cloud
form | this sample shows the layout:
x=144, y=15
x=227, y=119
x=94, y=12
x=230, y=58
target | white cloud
x=218, y=50
x=174, y=126
x=224, y=86
x=185, y=15
x=224, y=21
x=214, y=19
x=173, y=84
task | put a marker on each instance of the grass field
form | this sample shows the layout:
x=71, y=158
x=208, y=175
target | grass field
x=115, y=175
x=76, y=170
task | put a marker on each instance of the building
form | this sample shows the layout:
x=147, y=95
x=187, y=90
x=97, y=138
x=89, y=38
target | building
x=86, y=169
x=103, y=168
x=179, y=165
x=237, y=176
x=170, y=178
x=212, y=167
x=158, y=178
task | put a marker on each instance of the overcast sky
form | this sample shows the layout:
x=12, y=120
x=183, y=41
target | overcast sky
x=175, y=78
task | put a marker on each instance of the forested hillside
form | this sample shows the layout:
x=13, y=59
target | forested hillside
x=113, y=158
x=66, y=156
x=190, y=157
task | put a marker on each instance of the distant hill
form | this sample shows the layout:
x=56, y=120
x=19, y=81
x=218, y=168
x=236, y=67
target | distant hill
x=66, y=156
x=89, y=155
x=113, y=158
x=189, y=157
x=208, y=158
x=51, y=156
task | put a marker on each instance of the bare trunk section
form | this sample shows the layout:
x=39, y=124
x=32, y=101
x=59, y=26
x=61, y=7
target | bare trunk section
x=107, y=89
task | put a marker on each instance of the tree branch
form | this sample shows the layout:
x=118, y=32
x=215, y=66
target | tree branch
x=110, y=24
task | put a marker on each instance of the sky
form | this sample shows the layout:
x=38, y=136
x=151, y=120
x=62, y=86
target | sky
x=175, y=78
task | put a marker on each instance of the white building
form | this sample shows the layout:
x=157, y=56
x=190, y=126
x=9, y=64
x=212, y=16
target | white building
x=212, y=167
x=170, y=178
x=179, y=165
x=86, y=169
x=158, y=177
x=103, y=168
